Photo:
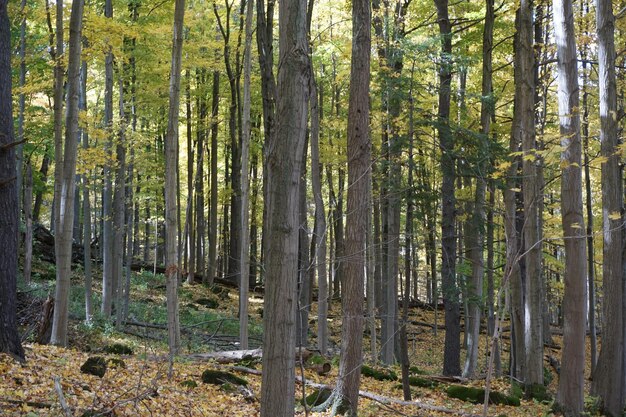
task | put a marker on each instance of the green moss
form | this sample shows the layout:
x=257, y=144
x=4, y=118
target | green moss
x=415, y=370
x=477, y=395
x=416, y=381
x=118, y=349
x=538, y=392
x=208, y=302
x=94, y=365
x=317, y=397
x=189, y=383
x=379, y=375
x=211, y=376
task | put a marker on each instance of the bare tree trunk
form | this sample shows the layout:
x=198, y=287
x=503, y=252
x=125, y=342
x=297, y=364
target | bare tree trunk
x=19, y=153
x=172, y=269
x=359, y=171
x=285, y=149
x=119, y=210
x=320, y=232
x=190, y=229
x=525, y=126
x=108, y=281
x=58, y=115
x=212, y=272
x=304, y=284
x=452, y=348
x=570, y=394
x=86, y=206
x=28, y=217
x=9, y=337
x=608, y=378
x=244, y=255
x=63, y=240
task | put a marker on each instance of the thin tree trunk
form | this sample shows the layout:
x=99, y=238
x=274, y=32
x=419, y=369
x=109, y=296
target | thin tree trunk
x=212, y=273
x=320, y=231
x=108, y=283
x=63, y=240
x=119, y=210
x=28, y=217
x=86, y=206
x=244, y=255
x=172, y=269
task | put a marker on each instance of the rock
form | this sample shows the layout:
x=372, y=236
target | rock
x=94, y=365
x=477, y=395
x=214, y=377
x=208, y=302
x=118, y=349
x=379, y=375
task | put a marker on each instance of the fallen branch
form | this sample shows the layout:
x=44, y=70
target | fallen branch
x=369, y=395
x=34, y=404
x=59, y=390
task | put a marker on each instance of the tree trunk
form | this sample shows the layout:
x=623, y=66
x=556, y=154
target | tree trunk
x=608, y=378
x=119, y=210
x=9, y=337
x=359, y=171
x=212, y=273
x=452, y=347
x=172, y=269
x=58, y=114
x=320, y=232
x=285, y=149
x=524, y=122
x=108, y=282
x=244, y=255
x=86, y=206
x=63, y=240
x=570, y=394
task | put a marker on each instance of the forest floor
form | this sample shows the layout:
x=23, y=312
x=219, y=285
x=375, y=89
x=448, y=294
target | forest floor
x=139, y=384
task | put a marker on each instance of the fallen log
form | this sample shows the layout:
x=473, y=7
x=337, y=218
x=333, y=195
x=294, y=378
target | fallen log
x=369, y=395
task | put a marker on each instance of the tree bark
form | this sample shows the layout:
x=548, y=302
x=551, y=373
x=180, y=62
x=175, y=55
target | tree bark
x=244, y=255
x=172, y=269
x=570, y=394
x=9, y=221
x=63, y=240
x=524, y=122
x=212, y=272
x=608, y=378
x=285, y=149
x=452, y=347
x=108, y=282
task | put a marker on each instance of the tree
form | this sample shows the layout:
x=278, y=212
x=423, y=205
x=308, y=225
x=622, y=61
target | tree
x=244, y=255
x=477, y=223
x=608, y=378
x=524, y=128
x=285, y=148
x=359, y=171
x=570, y=394
x=452, y=347
x=172, y=269
x=108, y=242
x=9, y=337
x=65, y=224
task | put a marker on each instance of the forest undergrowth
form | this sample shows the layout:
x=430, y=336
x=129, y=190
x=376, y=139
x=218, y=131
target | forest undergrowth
x=137, y=381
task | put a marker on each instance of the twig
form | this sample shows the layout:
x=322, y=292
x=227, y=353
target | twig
x=59, y=390
x=7, y=146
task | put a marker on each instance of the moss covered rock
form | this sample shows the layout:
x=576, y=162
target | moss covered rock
x=94, y=365
x=477, y=395
x=214, y=377
x=416, y=381
x=208, y=302
x=118, y=349
x=379, y=375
